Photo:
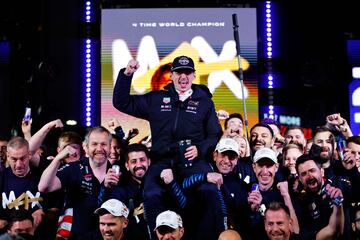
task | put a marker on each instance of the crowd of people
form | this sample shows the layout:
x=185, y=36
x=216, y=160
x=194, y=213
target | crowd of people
x=196, y=180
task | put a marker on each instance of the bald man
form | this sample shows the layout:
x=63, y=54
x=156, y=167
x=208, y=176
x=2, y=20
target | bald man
x=229, y=235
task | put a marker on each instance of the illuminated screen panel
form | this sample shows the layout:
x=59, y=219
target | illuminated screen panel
x=155, y=37
x=354, y=86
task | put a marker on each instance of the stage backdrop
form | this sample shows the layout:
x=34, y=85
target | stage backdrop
x=154, y=37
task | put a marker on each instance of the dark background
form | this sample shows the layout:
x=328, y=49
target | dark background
x=45, y=66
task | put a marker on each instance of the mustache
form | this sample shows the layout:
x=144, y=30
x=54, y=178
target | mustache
x=311, y=180
x=139, y=168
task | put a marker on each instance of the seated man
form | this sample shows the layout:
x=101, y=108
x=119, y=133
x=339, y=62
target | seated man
x=169, y=226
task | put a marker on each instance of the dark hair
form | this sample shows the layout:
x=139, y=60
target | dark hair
x=353, y=139
x=135, y=147
x=20, y=215
x=324, y=129
x=265, y=125
x=354, y=210
x=271, y=121
x=293, y=127
x=304, y=158
x=233, y=115
x=276, y=206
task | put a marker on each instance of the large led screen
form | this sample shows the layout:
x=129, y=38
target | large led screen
x=155, y=37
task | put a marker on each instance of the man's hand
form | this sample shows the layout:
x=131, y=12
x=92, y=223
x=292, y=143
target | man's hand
x=113, y=123
x=38, y=216
x=111, y=178
x=283, y=188
x=26, y=128
x=132, y=66
x=191, y=153
x=333, y=192
x=167, y=175
x=335, y=119
x=65, y=152
x=216, y=178
x=3, y=223
x=255, y=199
x=55, y=124
x=349, y=160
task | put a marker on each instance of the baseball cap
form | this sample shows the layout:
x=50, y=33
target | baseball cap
x=170, y=219
x=114, y=207
x=182, y=62
x=265, y=153
x=227, y=144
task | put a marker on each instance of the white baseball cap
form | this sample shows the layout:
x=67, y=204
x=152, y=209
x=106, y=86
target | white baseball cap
x=265, y=153
x=227, y=144
x=114, y=207
x=170, y=219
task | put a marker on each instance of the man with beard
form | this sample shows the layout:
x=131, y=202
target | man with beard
x=295, y=134
x=82, y=181
x=355, y=223
x=320, y=205
x=183, y=111
x=261, y=135
x=130, y=188
x=278, y=223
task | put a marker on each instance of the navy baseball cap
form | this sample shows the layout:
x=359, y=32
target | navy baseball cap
x=182, y=62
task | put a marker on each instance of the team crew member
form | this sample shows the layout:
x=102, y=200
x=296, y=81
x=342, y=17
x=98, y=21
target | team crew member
x=320, y=208
x=265, y=167
x=169, y=225
x=130, y=189
x=182, y=111
x=19, y=183
x=82, y=181
x=233, y=189
x=278, y=223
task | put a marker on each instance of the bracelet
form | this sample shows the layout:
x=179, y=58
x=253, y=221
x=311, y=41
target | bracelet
x=343, y=123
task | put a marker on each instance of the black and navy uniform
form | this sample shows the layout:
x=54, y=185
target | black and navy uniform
x=83, y=197
x=257, y=218
x=171, y=121
x=20, y=192
x=130, y=192
x=313, y=210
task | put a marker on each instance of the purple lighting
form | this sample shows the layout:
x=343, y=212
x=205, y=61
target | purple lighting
x=88, y=69
x=269, y=54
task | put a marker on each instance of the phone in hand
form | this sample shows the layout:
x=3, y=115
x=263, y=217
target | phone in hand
x=27, y=115
x=341, y=145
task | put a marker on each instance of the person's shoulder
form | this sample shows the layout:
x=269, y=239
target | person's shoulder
x=201, y=90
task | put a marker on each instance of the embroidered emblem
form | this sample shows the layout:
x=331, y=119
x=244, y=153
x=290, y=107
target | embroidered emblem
x=166, y=100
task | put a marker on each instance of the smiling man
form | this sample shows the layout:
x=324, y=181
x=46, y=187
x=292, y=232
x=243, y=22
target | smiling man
x=82, y=181
x=182, y=111
x=278, y=223
x=112, y=219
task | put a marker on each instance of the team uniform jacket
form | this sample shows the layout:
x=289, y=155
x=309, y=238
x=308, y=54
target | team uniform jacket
x=171, y=120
